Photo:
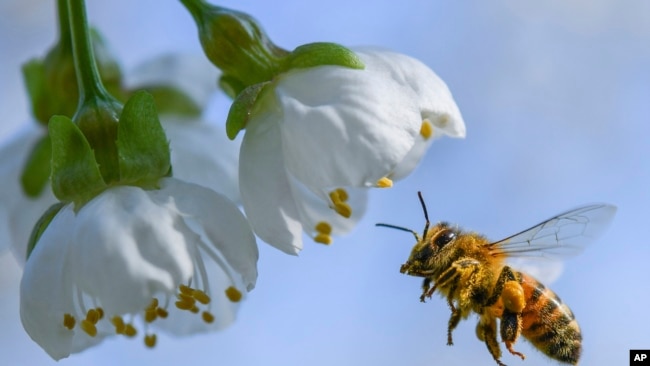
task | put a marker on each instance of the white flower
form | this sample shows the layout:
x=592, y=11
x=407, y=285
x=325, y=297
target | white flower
x=318, y=136
x=190, y=139
x=131, y=260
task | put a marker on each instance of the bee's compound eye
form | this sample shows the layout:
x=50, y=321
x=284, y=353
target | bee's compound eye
x=444, y=238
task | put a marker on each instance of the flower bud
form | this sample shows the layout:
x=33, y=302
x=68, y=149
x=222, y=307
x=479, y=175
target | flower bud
x=235, y=43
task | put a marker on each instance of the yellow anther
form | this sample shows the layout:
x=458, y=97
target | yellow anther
x=88, y=327
x=162, y=313
x=384, y=183
x=92, y=316
x=334, y=197
x=426, y=130
x=185, y=304
x=201, y=296
x=207, y=317
x=323, y=228
x=150, y=315
x=150, y=340
x=100, y=311
x=185, y=289
x=119, y=324
x=323, y=239
x=154, y=304
x=343, y=209
x=185, y=297
x=130, y=331
x=195, y=309
x=69, y=321
x=233, y=294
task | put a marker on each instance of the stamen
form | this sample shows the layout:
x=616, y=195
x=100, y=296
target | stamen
x=92, y=316
x=187, y=290
x=233, y=294
x=150, y=340
x=426, y=130
x=324, y=228
x=207, y=317
x=323, y=239
x=343, y=209
x=195, y=309
x=69, y=321
x=100, y=312
x=118, y=322
x=88, y=327
x=162, y=313
x=201, y=296
x=130, y=330
x=384, y=182
x=150, y=315
x=185, y=304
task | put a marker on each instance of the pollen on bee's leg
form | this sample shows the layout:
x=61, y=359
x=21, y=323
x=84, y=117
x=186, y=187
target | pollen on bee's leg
x=69, y=321
x=426, y=130
x=384, y=182
x=150, y=340
x=207, y=317
x=233, y=294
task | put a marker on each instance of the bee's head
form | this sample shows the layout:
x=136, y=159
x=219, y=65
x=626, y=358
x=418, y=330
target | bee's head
x=427, y=256
x=424, y=258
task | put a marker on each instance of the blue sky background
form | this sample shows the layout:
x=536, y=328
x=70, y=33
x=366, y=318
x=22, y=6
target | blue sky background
x=556, y=98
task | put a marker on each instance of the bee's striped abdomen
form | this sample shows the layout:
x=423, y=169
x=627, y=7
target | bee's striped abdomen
x=548, y=323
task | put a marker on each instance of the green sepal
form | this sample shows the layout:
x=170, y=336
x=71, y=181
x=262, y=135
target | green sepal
x=322, y=53
x=231, y=86
x=241, y=108
x=41, y=225
x=170, y=100
x=75, y=173
x=36, y=171
x=143, y=148
x=34, y=79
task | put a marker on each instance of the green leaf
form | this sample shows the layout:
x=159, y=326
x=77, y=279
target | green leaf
x=75, y=173
x=322, y=53
x=142, y=145
x=241, y=108
x=41, y=225
x=37, y=170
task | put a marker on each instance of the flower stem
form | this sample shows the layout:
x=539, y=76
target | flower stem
x=90, y=84
x=65, y=41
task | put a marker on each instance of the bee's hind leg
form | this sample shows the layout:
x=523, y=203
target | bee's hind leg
x=510, y=330
x=486, y=330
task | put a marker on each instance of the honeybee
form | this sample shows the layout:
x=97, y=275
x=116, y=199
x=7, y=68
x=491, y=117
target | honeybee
x=471, y=273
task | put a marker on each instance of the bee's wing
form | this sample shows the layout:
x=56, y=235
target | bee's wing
x=560, y=236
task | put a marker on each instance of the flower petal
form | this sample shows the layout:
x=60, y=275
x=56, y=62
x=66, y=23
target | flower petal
x=264, y=186
x=343, y=127
x=142, y=248
x=225, y=226
x=202, y=154
x=18, y=213
x=192, y=73
x=431, y=93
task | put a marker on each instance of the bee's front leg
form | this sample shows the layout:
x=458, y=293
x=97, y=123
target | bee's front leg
x=427, y=290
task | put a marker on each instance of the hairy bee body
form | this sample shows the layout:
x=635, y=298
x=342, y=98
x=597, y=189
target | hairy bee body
x=472, y=274
x=548, y=323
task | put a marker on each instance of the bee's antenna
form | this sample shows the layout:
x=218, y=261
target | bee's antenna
x=426, y=216
x=417, y=237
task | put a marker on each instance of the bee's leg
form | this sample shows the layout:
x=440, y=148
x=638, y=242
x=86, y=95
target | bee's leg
x=486, y=330
x=449, y=278
x=427, y=290
x=508, y=287
x=454, y=319
x=510, y=330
